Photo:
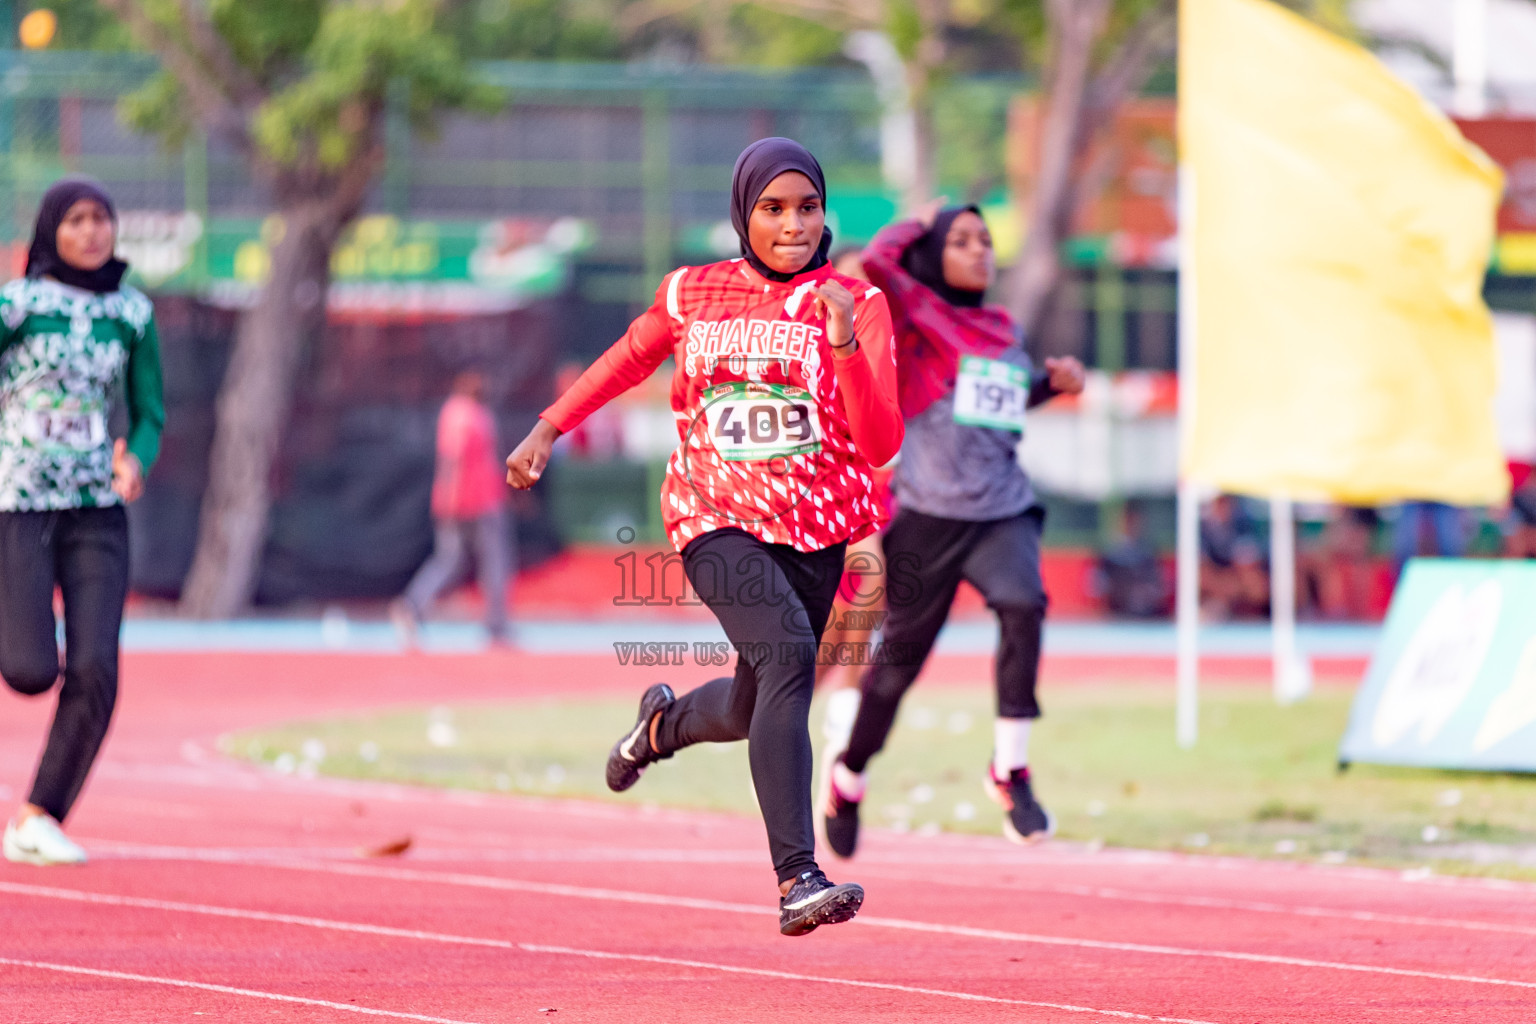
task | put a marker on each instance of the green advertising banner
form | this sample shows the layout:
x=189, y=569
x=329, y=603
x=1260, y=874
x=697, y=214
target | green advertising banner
x=379, y=259
x=1453, y=681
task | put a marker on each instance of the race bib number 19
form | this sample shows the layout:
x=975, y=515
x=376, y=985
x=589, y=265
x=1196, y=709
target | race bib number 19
x=750, y=422
x=991, y=393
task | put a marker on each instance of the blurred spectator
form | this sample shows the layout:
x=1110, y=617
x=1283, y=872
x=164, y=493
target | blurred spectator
x=1428, y=528
x=1129, y=577
x=1520, y=527
x=1234, y=572
x=1338, y=576
x=468, y=513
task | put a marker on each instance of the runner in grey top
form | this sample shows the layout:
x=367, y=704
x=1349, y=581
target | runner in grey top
x=965, y=509
x=961, y=471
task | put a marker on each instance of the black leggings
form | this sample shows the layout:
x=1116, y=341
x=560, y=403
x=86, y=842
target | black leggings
x=85, y=552
x=926, y=558
x=773, y=602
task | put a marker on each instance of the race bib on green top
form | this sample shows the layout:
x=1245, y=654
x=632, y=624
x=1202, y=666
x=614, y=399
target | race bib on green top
x=991, y=393
x=751, y=422
x=64, y=424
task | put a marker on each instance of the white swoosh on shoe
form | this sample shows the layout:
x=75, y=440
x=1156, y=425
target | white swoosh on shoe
x=627, y=748
x=813, y=898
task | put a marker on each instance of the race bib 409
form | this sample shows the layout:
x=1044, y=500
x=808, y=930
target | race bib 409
x=751, y=422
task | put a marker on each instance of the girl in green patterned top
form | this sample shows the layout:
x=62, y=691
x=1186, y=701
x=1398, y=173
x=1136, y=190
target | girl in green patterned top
x=70, y=335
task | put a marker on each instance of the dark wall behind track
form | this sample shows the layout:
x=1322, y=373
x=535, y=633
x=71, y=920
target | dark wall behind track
x=353, y=477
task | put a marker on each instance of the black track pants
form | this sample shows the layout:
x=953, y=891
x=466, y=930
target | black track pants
x=85, y=552
x=926, y=558
x=773, y=603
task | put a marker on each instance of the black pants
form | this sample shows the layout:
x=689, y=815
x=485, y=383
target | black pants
x=85, y=552
x=773, y=602
x=926, y=558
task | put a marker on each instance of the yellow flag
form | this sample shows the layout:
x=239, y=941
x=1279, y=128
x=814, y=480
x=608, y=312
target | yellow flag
x=1341, y=230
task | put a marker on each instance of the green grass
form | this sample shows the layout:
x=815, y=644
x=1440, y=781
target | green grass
x=1262, y=780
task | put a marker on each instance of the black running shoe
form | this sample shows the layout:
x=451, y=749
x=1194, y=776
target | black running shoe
x=840, y=820
x=1025, y=821
x=814, y=901
x=632, y=754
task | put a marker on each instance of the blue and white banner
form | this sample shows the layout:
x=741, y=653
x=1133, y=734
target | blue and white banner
x=1453, y=681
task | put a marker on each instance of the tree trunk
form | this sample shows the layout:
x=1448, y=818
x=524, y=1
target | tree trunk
x=256, y=397
x=1078, y=109
x=921, y=69
x=924, y=184
x=1075, y=26
x=252, y=414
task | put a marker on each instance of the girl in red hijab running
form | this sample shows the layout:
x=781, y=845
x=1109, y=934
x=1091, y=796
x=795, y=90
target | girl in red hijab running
x=784, y=394
x=966, y=508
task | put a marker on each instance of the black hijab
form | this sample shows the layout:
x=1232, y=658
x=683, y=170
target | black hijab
x=43, y=258
x=924, y=258
x=759, y=164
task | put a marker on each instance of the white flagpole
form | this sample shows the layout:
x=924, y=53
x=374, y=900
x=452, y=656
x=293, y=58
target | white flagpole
x=1469, y=57
x=1188, y=612
x=1187, y=599
x=1293, y=676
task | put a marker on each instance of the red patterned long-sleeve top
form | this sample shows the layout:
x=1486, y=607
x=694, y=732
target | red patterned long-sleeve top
x=775, y=435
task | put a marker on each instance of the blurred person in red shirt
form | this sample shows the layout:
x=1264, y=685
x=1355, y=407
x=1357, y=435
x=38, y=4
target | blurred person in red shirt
x=468, y=513
x=1338, y=578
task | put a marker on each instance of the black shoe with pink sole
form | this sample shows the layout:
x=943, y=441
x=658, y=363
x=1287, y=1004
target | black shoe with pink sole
x=1025, y=821
x=840, y=819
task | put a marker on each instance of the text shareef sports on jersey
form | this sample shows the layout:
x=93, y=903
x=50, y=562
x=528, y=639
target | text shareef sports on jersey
x=739, y=340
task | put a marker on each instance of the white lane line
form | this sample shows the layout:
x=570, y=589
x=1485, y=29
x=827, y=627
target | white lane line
x=885, y=865
x=216, y=771
x=1216, y=954
x=222, y=774
x=887, y=986
x=963, y=931
x=144, y=903
x=147, y=903
x=107, y=850
x=1253, y=906
x=224, y=989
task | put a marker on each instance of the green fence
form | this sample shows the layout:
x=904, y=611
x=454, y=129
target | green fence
x=643, y=154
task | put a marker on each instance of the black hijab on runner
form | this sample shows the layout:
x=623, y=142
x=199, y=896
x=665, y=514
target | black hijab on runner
x=924, y=259
x=759, y=164
x=43, y=258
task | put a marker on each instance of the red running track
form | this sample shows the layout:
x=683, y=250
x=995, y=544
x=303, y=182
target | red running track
x=222, y=892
